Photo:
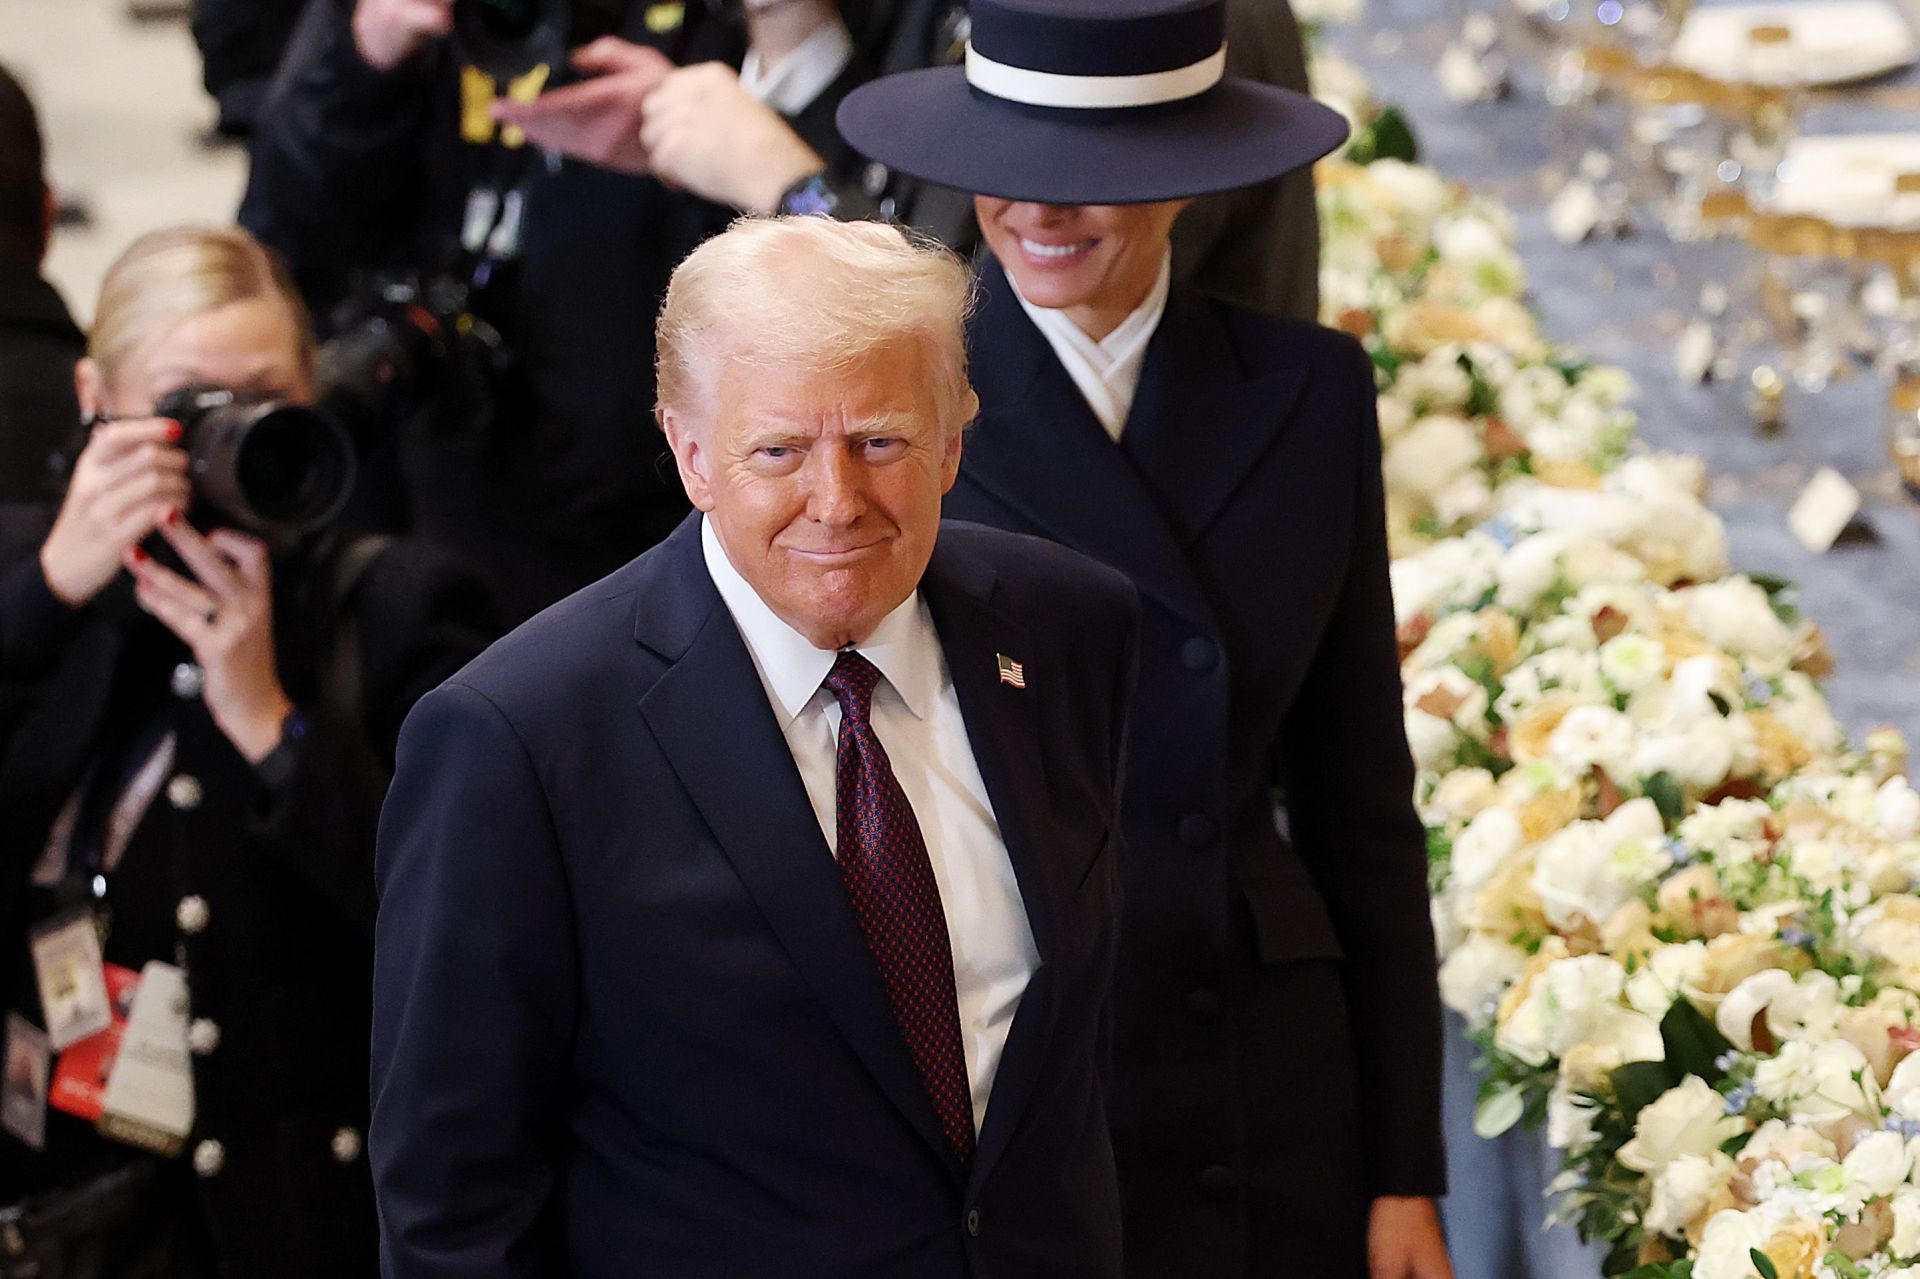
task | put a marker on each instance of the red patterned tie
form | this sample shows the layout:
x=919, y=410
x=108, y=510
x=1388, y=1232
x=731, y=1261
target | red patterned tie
x=889, y=879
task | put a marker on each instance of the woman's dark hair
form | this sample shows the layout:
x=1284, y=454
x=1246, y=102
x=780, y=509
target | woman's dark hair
x=23, y=182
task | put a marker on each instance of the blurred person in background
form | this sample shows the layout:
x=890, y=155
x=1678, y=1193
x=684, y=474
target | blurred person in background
x=1276, y=1072
x=39, y=342
x=378, y=149
x=193, y=750
x=1258, y=247
x=240, y=44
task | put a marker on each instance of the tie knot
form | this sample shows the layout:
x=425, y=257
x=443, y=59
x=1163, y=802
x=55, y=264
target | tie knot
x=852, y=681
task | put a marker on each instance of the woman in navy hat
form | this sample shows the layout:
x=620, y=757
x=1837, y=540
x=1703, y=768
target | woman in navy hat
x=1276, y=1052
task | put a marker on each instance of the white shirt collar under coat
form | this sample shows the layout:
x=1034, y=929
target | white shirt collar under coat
x=904, y=646
x=802, y=75
x=1108, y=371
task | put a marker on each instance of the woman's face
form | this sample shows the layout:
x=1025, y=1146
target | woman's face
x=1092, y=260
x=250, y=347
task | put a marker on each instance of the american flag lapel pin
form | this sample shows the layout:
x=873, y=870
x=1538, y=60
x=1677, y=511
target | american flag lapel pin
x=1011, y=672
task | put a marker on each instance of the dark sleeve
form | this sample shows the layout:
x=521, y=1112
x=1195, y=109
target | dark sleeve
x=418, y=617
x=337, y=155
x=1258, y=247
x=35, y=625
x=475, y=998
x=1349, y=782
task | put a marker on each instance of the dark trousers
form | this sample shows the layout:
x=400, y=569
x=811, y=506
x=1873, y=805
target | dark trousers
x=140, y=1221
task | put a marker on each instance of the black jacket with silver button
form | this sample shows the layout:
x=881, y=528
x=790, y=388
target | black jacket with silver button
x=271, y=909
x=1276, y=1016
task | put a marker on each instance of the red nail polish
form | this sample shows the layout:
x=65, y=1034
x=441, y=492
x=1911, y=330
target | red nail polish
x=174, y=432
x=139, y=555
x=172, y=518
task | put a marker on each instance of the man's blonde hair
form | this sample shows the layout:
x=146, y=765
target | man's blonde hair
x=165, y=278
x=811, y=292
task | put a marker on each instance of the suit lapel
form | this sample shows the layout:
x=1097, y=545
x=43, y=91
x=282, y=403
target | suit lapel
x=1003, y=727
x=1038, y=447
x=1200, y=420
x=735, y=764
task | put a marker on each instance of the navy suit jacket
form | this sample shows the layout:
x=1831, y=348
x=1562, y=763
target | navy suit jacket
x=1246, y=505
x=625, y=1023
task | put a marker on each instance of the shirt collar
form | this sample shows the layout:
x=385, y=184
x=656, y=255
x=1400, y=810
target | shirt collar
x=1125, y=343
x=904, y=646
x=802, y=75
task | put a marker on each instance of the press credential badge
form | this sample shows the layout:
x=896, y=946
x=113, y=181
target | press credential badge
x=70, y=970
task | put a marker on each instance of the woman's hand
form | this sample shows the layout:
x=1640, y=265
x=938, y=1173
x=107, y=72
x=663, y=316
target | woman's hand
x=226, y=618
x=130, y=475
x=1404, y=1240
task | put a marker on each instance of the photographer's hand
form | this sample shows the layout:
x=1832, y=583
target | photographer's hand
x=597, y=120
x=129, y=476
x=226, y=618
x=388, y=32
x=706, y=133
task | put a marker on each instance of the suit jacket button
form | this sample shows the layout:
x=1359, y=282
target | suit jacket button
x=209, y=1157
x=1199, y=654
x=1219, y=1183
x=184, y=792
x=188, y=679
x=1197, y=830
x=346, y=1145
x=203, y=1036
x=192, y=915
x=1203, y=1006
x=973, y=1222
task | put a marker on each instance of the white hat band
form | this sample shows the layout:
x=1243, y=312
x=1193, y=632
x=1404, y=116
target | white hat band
x=1093, y=92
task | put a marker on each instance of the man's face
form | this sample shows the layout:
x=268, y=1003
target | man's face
x=823, y=486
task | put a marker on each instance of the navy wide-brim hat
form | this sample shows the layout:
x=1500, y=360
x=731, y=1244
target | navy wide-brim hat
x=1090, y=102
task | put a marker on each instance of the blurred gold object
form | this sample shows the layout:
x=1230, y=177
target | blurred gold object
x=1903, y=431
x=1770, y=33
x=1768, y=401
x=1906, y=184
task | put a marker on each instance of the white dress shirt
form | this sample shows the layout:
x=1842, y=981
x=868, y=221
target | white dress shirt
x=916, y=716
x=1108, y=371
x=800, y=77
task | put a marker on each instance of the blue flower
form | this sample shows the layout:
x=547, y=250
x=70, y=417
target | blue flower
x=1759, y=692
x=1726, y=1061
x=1907, y=1128
x=1681, y=854
x=1739, y=1098
x=1502, y=530
x=1796, y=937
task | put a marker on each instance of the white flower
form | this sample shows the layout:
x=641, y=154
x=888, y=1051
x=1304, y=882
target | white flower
x=1877, y=1165
x=1450, y=574
x=1468, y=240
x=1902, y=1093
x=1688, y=1119
x=1736, y=615
x=1577, y=1000
x=1569, y=1118
x=1478, y=972
x=1468, y=500
x=1658, y=982
x=1728, y=1242
x=1683, y=1189
x=1632, y=662
x=1815, y=1083
x=1593, y=735
x=1413, y=191
x=1396, y=415
x=1461, y=795
x=1430, y=455
x=1560, y=671
x=1906, y=1222
x=1748, y=1000
x=1732, y=832
x=1432, y=740
x=1484, y=846
x=1897, y=809
x=1530, y=569
x=1324, y=12
x=1591, y=869
x=1436, y=384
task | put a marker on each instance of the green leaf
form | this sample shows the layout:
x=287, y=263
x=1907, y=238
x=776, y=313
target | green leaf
x=1498, y=1112
x=1693, y=1043
x=1762, y=1264
x=1387, y=137
x=1843, y=1266
x=1639, y=1084
x=1667, y=796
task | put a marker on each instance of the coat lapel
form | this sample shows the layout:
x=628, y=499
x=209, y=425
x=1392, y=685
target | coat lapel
x=712, y=720
x=1003, y=728
x=1201, y=419
x=1038, y=447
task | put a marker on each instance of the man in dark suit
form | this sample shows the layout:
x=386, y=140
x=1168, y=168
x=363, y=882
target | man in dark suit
x=752, y=911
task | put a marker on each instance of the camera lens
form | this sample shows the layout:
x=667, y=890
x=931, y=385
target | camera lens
x=507, y=19
x=294, y=468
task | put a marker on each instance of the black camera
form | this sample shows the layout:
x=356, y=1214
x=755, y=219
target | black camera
x=409, y=359
x=270, y=466
x=508, y=38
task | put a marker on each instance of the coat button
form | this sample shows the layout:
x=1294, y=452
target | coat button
x=1218, y=1182
x=1197, y=830
x=188, y=680
x=1199, y=654
x=192, y=914
x=184, y=792
x=973, y=1222
x=203, y=1036
x=1203, y=1006
x=346, y=1145
x=209, y=1157
x=874, y=179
